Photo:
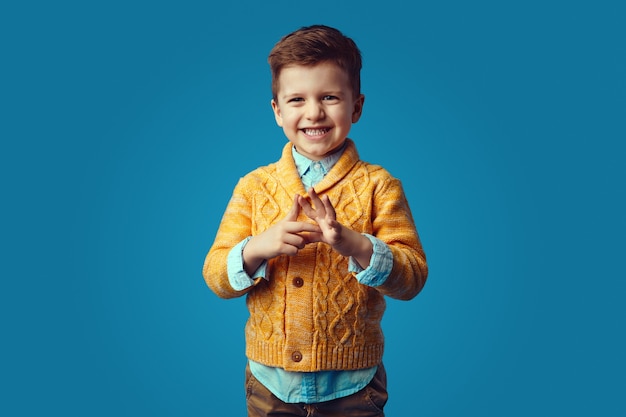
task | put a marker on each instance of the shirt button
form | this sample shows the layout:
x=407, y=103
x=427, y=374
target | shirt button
x=296, y=356
x=298, y=282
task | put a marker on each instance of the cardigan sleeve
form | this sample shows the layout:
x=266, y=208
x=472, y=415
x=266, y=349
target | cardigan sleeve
x=393, y=223
x=236, y=225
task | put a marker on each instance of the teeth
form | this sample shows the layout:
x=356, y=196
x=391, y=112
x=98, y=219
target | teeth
x=315, y=132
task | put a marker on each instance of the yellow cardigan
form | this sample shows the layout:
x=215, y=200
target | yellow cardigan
x=312, y=314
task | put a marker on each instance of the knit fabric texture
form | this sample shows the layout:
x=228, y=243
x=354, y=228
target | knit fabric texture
x=312, y=314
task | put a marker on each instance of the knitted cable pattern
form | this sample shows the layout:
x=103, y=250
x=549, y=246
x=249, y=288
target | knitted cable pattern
x=312, y=314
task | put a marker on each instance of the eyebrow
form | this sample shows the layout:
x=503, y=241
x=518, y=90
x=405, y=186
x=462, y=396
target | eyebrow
x=325, y=93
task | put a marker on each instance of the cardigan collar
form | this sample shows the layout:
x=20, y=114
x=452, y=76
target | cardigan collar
x=291, y=179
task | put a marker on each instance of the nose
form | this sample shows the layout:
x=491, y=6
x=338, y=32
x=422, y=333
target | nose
x=314, y=110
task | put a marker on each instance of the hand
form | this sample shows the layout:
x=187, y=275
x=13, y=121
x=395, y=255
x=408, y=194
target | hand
x=286, y=237
x=323, y=213
x=344, y=240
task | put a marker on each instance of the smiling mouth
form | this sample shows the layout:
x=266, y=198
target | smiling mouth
x=316, y=132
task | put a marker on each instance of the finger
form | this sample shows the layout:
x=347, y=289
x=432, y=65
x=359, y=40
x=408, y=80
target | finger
x=330, y=210
x=292, y=216
x=315, y=198
x=295, y=240
x=298, y=227
x=306, y=207
x=312, y=237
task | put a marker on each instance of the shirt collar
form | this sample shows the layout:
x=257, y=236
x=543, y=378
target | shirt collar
x=303, y=164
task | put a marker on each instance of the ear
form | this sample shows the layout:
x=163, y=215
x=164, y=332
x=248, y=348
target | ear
x=277, y=115
x=358, y=108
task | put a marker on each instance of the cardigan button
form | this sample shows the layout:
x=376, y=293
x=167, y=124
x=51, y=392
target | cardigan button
x=298, y=282
x=296, y=356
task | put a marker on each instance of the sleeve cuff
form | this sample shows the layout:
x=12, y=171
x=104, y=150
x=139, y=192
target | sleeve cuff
x=380, y=265
x=237, y=275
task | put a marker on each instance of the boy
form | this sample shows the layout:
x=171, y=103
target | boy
x=316, y=240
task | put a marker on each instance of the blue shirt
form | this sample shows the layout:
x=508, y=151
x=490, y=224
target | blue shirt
x=313, y=387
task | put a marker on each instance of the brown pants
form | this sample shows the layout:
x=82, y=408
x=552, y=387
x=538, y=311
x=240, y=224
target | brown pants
x=368, y=402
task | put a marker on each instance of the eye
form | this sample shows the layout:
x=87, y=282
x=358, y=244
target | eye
x=330, y=98
x=295, y=100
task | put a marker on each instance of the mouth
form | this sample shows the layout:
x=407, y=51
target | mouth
x=316, y=132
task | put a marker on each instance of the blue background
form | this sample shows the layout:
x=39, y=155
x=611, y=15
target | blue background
x=125, y=126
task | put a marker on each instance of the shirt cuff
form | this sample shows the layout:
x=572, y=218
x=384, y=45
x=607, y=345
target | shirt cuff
x=380, y=265
x=237, y=275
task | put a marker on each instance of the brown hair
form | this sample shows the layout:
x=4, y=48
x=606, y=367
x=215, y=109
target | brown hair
x=312, y=45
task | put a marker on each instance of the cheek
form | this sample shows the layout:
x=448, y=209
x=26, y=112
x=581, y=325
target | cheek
x=289, y=118
x=345, y=118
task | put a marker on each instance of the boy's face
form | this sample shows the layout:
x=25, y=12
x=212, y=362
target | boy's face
x=315, y=107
